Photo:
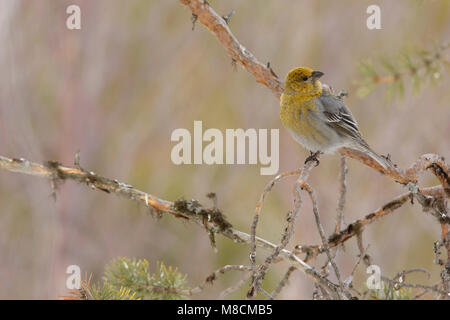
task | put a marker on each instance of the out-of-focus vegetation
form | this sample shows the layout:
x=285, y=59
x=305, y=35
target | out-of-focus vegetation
x=420, y=65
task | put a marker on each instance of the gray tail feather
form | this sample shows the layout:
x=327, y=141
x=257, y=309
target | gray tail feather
x=382, y=161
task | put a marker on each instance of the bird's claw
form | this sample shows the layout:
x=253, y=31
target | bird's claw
x=313, y=157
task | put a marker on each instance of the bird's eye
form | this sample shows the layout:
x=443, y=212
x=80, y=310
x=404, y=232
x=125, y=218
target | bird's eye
x=305, y=78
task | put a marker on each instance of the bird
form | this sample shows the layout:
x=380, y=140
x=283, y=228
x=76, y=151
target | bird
x=317, y=119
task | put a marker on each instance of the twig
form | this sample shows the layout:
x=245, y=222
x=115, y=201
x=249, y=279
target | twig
x=342, y=194
x=357, y=226
x=419, y=295
x=227, y=18
x=360, y=258
x=445, y=273
x=217, y=25
x=213, y=276
x=437, y=206
x=284, y=281
x=235, y=287
x=426, y=161
x=258, y=208
x=398, y=281
x=193, y=20
x=198, y=289
x=271, y=184
x=304, y=185
x=265, y=293
x=399, y=278
x=259, y=274
x=435, y=288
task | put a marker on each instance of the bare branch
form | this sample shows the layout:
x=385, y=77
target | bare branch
x=192, y=210
x=235, y=287
x=258, y=275
x=219, y=27
x=283, y=281
x=213, y=276
x=426, y=161
x=354, y=228
x=304, y=185
x=397, y=282
x=258, y=208
x=342, y=194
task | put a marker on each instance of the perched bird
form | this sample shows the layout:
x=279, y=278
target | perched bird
x=317, y=119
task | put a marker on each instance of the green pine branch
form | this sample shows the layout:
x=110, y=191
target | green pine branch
x=131, y=279
x=417, y=65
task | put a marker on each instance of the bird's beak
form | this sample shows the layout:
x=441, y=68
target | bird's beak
x=317, y=74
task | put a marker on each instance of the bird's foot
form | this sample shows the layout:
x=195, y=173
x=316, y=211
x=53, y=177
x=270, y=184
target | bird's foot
x=313, y=157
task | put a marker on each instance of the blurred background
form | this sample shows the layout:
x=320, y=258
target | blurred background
x=116, y=89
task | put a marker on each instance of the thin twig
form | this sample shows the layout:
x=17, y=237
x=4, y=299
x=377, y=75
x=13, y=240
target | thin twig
x=219, y=27
x=426, y=161
x=284, y=281
x=265, y=293
x=342, y=194
x=291, y=218
x=358, y=225
x=258, y=208
x=198, y=289
x=444, y=294
x=304, y=185
x=395, y=283
x=235, y=287
x=213, y=276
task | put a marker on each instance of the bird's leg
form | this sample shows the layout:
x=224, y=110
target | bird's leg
x=313, y=157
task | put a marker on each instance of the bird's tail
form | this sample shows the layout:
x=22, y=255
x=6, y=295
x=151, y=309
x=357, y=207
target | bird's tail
x=382, y=161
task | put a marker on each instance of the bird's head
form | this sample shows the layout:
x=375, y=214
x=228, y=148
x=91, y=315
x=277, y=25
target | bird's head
x=303, y=81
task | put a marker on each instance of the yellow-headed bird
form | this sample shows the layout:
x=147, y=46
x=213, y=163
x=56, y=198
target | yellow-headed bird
x=318, y=120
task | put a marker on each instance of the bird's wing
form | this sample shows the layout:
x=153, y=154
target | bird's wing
x=337, y=115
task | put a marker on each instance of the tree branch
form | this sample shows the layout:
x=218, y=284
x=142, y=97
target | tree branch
x=342, y=194
x=211, y=219
x=358, y=226
x=219, y=27
x=304, y=185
